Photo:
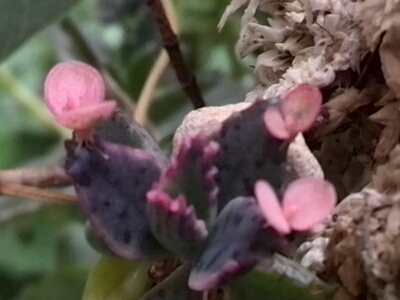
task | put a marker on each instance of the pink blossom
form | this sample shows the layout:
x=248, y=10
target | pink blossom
x=295, y=113
x=75, y=94
x=306, y=203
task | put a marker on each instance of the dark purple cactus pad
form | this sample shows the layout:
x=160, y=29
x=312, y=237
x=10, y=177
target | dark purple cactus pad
x=94, y=241
x=191, y=173
x=111, y=182
x=174, y=224
x=236, y=243
x=248, y=153
x=118, y=130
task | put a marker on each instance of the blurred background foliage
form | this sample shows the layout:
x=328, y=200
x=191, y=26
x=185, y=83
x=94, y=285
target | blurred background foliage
x=43, y=251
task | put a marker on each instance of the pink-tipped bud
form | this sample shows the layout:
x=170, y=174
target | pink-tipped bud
x=295, y=113
x=75, y=94
x=306, y=203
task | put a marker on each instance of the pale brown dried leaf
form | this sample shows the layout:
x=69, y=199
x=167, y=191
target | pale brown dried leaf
x=370, y=14
x=339, y=107
x=390, y=58
x=346, y=157
x=389, y=116
x=387, y=176
x=376, y=17
x=363, y=252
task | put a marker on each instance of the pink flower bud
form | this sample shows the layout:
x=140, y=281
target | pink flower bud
x=295, y=113
x=75, y=94
x=306, y=203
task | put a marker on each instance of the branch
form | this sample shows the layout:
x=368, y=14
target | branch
x=30, y=192
x=46, y=176
x=150, y=85
x=171, y=45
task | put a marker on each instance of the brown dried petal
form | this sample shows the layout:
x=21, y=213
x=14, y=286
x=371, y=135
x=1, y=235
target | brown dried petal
x=389, y=116
x=376, y=17
x=386, y=177
x=390, y=58
x=338, y=108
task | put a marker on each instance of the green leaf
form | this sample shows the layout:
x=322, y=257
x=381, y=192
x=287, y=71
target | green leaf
x=21, y=19
x=73, y=248
x=29, y=246
x=283, y=280
x=117, y=279
x=64, y=284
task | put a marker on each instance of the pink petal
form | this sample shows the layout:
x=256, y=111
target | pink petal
x=87, y=116
x=300, y=108
x=273, y=120
x=270, y=207
x=71, y=85
x=307, y=202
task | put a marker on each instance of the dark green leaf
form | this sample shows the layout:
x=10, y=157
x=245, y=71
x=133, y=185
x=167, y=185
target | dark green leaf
x=21, y=19
x=115, y=278
x=281, y=280
x=65, y=284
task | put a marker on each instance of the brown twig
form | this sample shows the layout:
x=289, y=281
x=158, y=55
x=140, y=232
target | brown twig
x=149, y=87
x=157, y=71
x=46, y=176
x=30, y=192
x=171, y=45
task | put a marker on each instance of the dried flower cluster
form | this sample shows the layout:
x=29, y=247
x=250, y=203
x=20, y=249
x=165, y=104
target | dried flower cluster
x=349, y=49
x=303, y=42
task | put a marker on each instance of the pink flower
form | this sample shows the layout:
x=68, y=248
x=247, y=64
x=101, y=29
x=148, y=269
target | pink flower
x=306, y=202
x=295, y=113
x=75, y=94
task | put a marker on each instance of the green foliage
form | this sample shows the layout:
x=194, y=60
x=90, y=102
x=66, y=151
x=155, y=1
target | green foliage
x=116, y=279
x=65, y=284
x=21, y=19
x=34, y=248
x=259, y=285
x=45, y=253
